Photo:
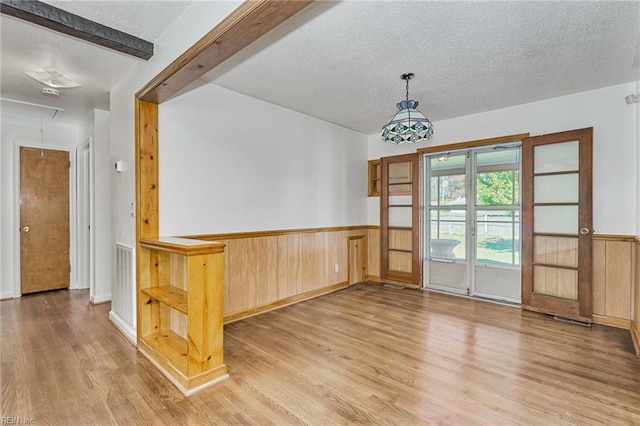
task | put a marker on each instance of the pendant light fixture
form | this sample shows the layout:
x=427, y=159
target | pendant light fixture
x=408, y=125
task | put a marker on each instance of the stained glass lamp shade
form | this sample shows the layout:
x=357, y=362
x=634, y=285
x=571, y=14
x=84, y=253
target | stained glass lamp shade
x=408, y=125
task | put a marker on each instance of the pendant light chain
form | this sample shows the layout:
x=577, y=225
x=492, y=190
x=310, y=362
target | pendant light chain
x=407, y=80
x=408, y=77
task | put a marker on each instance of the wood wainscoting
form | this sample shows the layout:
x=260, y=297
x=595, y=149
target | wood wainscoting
x=614, y=264
x=635, y=324
x=373, y=253
x=266, y=270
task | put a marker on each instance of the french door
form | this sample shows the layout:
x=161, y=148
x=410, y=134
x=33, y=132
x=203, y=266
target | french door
x=557, y=224
x=400, y=219
x=472, y=243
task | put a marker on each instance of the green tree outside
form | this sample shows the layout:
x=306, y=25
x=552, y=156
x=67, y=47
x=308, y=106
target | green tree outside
x=497, y=188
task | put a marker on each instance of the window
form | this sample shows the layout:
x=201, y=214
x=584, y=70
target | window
x=497, y=227
x=447, y=207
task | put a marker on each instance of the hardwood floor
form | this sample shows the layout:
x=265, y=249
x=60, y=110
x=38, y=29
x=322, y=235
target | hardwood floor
x=364, y=355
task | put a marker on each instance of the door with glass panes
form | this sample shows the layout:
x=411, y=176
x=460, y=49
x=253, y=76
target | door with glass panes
x=472, y=241
x=400, y=220
x=557, y=225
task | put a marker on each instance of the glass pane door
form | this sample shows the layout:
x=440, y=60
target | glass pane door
x=496, y=230
x=473, y=237
x=400, y=220
x=447, y=219
x=556, y=277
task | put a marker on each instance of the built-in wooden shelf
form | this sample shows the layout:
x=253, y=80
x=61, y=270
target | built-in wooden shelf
x=374, y=178
x=180, y=325
x=169, y=295
x=172, y=346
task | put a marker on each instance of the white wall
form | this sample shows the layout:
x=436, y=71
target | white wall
x=615, y=187
x=24, y=131
x=102, y=174
x=97, y=126
x=198, y=19
x=264, y=168
x=189, y=27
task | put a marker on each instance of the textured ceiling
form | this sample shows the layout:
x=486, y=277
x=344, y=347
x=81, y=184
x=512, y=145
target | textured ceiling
x=342, y=62
x=144, y=19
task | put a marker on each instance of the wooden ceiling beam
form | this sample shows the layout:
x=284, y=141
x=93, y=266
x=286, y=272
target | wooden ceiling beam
x=55, y=19
x=250, y=21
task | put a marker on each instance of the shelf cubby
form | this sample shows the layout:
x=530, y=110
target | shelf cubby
x=180, y=310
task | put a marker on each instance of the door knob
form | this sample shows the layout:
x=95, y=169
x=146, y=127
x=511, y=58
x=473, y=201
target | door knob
x=26, y=229
x=584, y=231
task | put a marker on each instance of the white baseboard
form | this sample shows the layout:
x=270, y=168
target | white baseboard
x=126, y=329
x=100, y=299
x=6, y=295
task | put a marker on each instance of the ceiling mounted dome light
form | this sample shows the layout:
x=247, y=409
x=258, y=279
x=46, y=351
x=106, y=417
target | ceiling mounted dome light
x=408, y=125
x=53, y=78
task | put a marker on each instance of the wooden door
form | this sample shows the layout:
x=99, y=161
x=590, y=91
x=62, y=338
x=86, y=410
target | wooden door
x=357, y=265
x=44, y=220
x=557, y=224
x=400, y=219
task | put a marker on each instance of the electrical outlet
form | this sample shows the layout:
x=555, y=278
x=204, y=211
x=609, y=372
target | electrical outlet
x=336, y=268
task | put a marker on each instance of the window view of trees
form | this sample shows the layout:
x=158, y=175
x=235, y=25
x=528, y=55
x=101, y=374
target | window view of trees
x=497, y=188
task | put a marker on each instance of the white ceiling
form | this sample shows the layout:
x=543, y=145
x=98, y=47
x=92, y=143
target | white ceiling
x=28, y=47
x=342, y=62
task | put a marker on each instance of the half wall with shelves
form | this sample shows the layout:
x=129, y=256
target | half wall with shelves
x=180, y=310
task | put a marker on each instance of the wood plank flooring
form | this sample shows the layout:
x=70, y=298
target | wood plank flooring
x=364, y=355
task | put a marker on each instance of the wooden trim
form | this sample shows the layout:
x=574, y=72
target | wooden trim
x=635, y=337
x=612, y=321
x=247, y=23
x=146, y=151
x=619, y=238
x=284, y=302
x=278, y=232
x=473, y=143
x=187, y=247
x=585, y=217
x=146, y=164
x=373, y=278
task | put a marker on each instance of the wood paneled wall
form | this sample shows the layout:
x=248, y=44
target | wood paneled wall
x=266, y=270
x=635, y=326
x=614, y=266
x=373, y=253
